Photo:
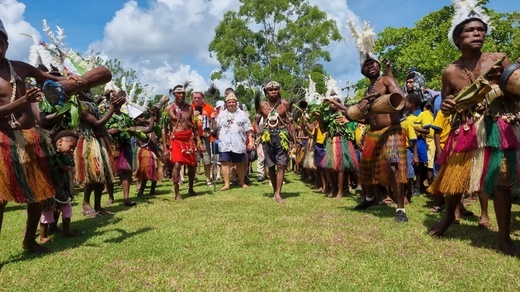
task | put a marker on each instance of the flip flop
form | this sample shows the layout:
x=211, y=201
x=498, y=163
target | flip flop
x=90, y=213
x=104, y=212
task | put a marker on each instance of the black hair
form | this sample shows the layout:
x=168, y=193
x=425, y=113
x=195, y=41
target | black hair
x=64, y=133
x=415, y=99
x=410, y=75
x=458, y=29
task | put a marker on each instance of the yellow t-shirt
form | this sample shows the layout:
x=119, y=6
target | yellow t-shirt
x=320, y=136
x=410, y=132
x=442, y=124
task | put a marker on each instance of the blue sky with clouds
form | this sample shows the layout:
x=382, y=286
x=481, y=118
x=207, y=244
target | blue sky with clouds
x=166, y=41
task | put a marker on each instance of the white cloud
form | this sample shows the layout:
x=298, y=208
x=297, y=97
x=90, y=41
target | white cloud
x=167, y=42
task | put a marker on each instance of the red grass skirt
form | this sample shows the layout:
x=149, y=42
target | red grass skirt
x=25, y=170
x=148, y=166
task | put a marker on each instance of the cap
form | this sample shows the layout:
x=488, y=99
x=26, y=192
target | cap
x=219, y=103
x=272, y=84
x=231, y=96
x=2, y=29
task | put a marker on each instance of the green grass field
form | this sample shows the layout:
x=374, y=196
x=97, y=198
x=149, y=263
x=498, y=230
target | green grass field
x=242, y=240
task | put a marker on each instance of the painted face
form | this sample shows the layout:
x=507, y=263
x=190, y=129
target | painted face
x=66, y=145
x=472, y=36
x=370, y=69
x=231, y=105
x=180, y=97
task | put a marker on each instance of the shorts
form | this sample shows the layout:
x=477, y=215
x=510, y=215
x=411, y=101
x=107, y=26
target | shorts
x=274, y=154
x=206, y=155
x=232, y=157
x=48, y=215
x=409, y=163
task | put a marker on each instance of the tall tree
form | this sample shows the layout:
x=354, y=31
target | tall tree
x=283, y=40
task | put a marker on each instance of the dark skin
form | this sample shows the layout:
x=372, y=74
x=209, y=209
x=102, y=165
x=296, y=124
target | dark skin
x=22, y=108
x=99, y=127
x=454, y=78
x=385, y=85
x=276, y=173
x=146, y=126
x=180, y=124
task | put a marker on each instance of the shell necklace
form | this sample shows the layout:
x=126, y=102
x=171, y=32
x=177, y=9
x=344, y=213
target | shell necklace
x=372, y=86
x=272, y=118
x=14, y=123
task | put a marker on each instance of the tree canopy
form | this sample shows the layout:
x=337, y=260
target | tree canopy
x=282, y=40
x=426, y=47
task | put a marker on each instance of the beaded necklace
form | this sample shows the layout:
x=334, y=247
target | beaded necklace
x=372, y=87
x=14, y=123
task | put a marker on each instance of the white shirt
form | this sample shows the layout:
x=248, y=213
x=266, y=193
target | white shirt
x=232, y=131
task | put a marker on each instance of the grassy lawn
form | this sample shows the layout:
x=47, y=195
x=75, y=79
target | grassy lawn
x=243, y=240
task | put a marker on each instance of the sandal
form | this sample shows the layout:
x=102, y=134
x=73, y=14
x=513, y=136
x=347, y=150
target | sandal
x=104, y=212
x=129, y=203
x=90, y=213
x=436, y=209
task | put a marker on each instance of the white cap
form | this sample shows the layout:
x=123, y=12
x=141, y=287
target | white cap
x=219, y=103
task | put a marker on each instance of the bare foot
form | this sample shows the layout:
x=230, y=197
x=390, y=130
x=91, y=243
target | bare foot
x=484, y=223
x=224, y=188
x=508, y=248
x=244, y=186
x=178, y=198
x=192, y=193
x=34, y=247
x=440, y=227
x=110, y=201
x=339, y=196
x=279, y=199
x=44, y=240
x=70, y=234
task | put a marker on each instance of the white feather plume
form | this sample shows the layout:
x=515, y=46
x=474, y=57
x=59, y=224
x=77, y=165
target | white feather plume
x=467, y=9
x=364, y=40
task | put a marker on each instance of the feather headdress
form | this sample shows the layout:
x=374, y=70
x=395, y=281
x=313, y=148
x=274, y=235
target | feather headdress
x=364, y=41
x=464, y=11
x=333, y=90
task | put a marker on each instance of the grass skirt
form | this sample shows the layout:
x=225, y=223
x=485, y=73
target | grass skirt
x=94, y=161
x=340, y=154
x=479, y=157
x=125, y=158
x=382, y=150
x=148, y=166
x=309, y=160
x=25, y=171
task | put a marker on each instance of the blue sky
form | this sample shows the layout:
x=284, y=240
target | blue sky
x=166, y=41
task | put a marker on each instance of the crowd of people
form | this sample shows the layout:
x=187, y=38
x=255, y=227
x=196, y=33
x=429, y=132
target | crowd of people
x=395, y=143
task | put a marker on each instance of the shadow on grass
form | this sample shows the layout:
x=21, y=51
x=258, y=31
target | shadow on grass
x=480, y=237
x=87, y=228
x=284, y=195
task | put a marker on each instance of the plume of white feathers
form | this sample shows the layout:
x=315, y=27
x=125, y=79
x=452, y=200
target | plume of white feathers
x=333, y=90
x=363, y=39
x=466, y=9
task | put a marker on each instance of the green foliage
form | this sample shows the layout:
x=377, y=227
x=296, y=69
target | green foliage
x=282, y=40
x=427, y=48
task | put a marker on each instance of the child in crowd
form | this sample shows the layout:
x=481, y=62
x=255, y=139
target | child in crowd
x=65, y=142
